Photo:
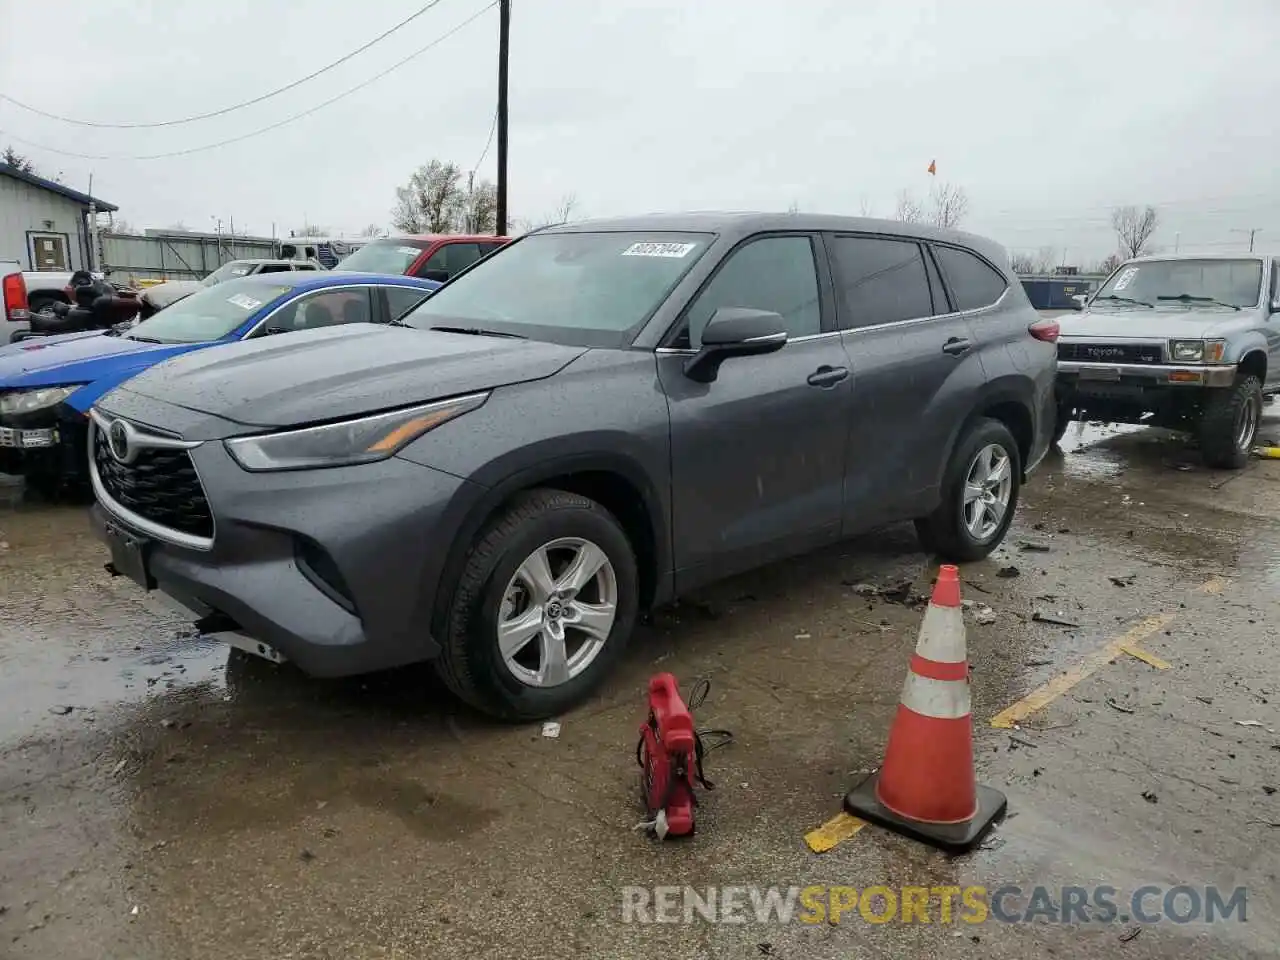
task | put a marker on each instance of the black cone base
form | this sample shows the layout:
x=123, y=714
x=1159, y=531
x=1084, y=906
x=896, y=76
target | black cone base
x=952, y=837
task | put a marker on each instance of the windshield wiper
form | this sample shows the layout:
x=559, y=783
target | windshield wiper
x=143, y=339
x=1112, y=296
x=479, y=332
x=1188, y=298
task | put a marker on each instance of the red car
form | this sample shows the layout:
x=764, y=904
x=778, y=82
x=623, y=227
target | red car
x=432, y=256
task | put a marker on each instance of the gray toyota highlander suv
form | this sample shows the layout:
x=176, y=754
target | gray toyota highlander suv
x=590, y=421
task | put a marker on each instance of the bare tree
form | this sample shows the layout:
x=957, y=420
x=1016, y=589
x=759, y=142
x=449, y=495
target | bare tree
x=1022, y=263
x=309, y=230
x=479, y=212
x=178, y=225
x=1109, y=263
x=949, y=204
x=373, y=230
x=864, y=207
x=16, y=160
x=1134, y=228
x=565, y=209
x=794, y=208
x=908, y=209
x=120, y=225
x=1046, y=259
x=433, y=200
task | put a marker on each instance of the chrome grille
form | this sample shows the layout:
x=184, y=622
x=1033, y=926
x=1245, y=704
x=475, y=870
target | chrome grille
x=160, y=485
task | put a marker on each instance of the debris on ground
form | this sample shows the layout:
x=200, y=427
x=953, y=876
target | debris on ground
x=1115, y=706
x=1030, y=546
x=1150, y=797
x=1008, y=572
x=1037, y=663
x=1268, y=790
x=306, y=856
x=1130, y=934
x=1249, y=723
x=1125, y=581
x=865, y=589
x=1039, y=617
x=983, y=614
x=1208, y=700
x=804, y=636
x=551, y=730
x=61, y=710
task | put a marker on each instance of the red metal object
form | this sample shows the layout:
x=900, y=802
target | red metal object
x=668, y=756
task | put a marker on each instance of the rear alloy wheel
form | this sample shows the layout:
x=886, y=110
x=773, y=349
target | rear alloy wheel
x=979, y=495
x=1229, y=424
x=543, y=609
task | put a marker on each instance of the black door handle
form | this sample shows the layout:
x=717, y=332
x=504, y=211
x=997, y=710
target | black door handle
x=956, y=346
x=826, y=376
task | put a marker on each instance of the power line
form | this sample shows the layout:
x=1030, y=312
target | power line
x=234, y=106
x=487, y=144
x=274, y=126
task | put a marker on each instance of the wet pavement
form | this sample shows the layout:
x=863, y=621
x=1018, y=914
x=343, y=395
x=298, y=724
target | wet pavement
x=161, y=798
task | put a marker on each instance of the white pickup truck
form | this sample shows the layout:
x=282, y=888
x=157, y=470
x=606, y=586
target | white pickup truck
x=46, y=287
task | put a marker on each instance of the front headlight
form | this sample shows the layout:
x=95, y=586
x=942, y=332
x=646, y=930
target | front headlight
x=1197, y=351
x=26, y=401
x=348, y=442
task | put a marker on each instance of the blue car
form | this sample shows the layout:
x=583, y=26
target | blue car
x=48, y=384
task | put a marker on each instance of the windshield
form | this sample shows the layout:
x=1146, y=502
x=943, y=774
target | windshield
x=383, y=256
x=582, y=289
x=228, y=271
x=1154, y=283
x=207, y=314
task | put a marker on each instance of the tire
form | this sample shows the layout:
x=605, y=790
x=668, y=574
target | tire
x=1229, y=423
x=945, y=531
x=489, y=590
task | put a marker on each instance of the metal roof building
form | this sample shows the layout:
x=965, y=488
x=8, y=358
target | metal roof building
x=44, y=225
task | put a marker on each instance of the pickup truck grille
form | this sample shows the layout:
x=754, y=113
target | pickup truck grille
x=1111, y=352
x=161, y=485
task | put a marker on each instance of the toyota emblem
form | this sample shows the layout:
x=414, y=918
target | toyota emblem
x=120, y=441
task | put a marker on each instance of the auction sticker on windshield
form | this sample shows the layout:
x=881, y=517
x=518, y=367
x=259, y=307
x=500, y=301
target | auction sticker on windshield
x=1125, y=278
x=653, y=249
x=244, y=302
x=408, y=251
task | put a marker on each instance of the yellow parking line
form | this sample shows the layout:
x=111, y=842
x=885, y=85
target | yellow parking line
x=1145, y=656
x=1041, y=697
x=836, y=830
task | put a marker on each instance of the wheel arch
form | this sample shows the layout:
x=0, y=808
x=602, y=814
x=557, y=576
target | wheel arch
x=615, y=481
x=1008, y=400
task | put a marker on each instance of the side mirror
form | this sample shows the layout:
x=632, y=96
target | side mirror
x=1081, y=299
x=735, y=332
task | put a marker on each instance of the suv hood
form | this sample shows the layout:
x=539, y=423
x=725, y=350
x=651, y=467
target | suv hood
x=344, y=371
x=1140, y=323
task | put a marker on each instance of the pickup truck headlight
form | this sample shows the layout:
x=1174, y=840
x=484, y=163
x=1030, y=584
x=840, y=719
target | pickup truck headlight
x=1197, y=351
x=348, y=442
x=26, y=401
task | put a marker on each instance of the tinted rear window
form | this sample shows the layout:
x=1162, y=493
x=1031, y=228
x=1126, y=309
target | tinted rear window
x=974, y=283
x=879, y=280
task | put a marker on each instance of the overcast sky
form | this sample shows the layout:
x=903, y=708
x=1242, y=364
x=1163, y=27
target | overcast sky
x=1047, y=114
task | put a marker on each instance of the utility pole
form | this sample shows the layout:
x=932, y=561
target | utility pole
x=504, y=49
x=1252, y=232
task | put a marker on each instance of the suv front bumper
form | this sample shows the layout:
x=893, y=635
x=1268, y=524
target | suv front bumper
x=1082, y=373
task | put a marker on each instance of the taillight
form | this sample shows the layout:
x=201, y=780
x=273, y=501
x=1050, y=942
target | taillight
x=14, y=290
x=1045, y=329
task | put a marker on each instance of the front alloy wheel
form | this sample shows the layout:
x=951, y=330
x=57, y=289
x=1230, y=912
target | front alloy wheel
x=988, y=486
x=543, y=607
x=557, y=612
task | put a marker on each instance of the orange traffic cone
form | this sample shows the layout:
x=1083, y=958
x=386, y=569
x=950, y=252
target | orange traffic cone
x=926, y=788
